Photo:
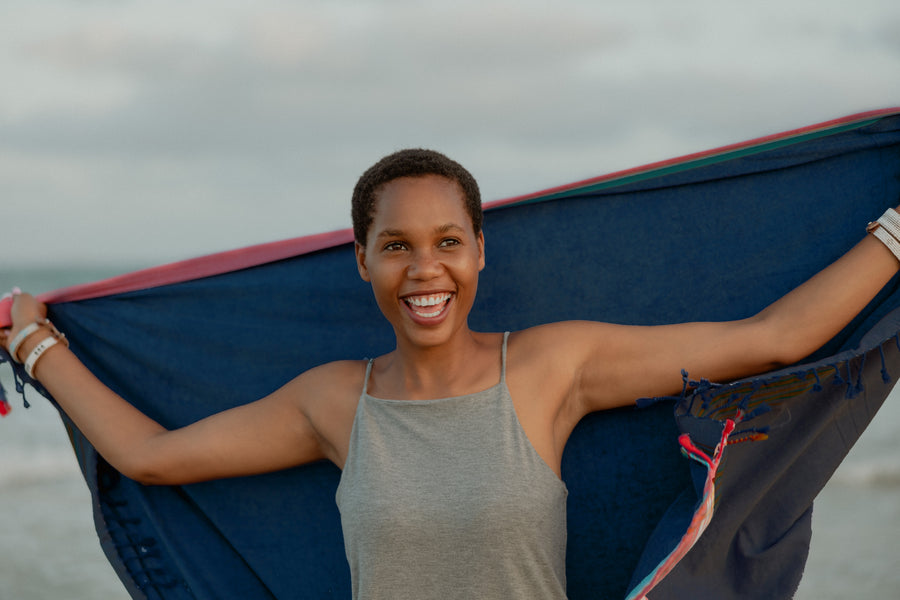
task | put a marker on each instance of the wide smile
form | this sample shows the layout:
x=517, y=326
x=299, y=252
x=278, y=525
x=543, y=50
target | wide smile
x=428, y=306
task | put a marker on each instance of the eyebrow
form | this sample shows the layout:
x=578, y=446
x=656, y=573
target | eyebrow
x=445, y=228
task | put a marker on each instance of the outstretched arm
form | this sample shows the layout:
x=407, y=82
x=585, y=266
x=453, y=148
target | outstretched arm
x=270, y=434
x=614, y=364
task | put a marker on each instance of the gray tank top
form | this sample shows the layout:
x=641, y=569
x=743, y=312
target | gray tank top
x=447, y=499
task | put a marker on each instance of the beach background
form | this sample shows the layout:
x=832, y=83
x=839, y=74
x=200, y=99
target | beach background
x=134, y=134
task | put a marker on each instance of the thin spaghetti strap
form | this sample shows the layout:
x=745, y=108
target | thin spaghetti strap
x=366, y=380
x=503, y=358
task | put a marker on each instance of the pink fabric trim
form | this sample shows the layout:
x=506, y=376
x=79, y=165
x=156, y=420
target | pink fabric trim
x=702, y=516
x=186, y=270
x=848, y=120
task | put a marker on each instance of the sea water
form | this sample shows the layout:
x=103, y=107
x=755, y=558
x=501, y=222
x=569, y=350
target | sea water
x=49, y=548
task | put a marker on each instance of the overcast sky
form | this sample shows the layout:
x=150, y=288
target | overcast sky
x=139, y=133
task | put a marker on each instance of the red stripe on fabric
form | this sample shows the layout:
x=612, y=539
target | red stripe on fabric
x=858, y=117
x=5, y=307
x=186, y=270
x=204, y=266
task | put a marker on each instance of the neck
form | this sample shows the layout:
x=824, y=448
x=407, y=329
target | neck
x=422, y=372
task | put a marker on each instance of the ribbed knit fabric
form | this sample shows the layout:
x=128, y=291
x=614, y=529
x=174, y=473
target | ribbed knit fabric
x=448, y=499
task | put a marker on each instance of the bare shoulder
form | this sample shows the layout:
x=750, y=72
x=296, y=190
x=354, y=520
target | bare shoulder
x=549, y=356
x=333, y=383
x=555, y=356
x=564, y=340
x=327, y=396
x=335, y=375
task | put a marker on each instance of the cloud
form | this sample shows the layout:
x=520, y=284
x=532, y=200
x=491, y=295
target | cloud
x=222, y=112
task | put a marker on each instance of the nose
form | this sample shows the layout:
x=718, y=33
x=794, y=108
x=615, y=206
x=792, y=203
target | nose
x=424, y=266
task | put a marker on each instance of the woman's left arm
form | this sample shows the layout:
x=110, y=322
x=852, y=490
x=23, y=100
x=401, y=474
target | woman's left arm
x=617, y=364
x=816, y=311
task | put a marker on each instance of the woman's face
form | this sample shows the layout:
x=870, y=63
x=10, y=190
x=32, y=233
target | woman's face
x=422, y=258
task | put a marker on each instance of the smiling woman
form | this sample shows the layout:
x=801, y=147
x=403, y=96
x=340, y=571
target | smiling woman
x=451, y=441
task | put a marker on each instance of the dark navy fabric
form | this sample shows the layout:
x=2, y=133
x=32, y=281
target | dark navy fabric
x=793, y=428
x=714, y=240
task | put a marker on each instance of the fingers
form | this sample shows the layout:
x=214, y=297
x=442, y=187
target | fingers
x=4, y=338
x=19, y=308
x=5, y=310
x=15, y=292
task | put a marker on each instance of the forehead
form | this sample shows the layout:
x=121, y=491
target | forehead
x=417, y=199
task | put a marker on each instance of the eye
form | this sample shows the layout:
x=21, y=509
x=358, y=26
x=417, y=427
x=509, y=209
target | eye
x=394, y=246
x=447, y=242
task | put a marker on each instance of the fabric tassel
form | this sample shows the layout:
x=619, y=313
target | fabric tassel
x=5, y=407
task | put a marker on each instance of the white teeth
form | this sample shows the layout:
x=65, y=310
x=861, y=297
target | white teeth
x=428, y=300
x=432, y=300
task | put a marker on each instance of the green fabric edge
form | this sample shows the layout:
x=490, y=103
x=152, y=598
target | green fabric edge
x=697, y=162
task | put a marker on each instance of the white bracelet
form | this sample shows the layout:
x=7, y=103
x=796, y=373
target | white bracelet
x=30, y=329
x=888, y=240
x=890, y=220
x=21, y=337
x=38, y=352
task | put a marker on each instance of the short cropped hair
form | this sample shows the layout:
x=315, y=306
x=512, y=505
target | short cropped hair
x=413, y=162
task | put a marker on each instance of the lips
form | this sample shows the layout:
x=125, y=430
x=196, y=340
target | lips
x=428, y=306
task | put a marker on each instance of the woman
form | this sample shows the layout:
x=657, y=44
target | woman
x=452, y=423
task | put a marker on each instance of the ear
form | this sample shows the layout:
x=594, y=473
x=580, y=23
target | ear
x=480, y=240
x=360, y=251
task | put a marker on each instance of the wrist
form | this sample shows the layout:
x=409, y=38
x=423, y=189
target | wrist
x=40, y=350
x=30, y=343
x=18, y=337
x=36, y=339
x=887, y=230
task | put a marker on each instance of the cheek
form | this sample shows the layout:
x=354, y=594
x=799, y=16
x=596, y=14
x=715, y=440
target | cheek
x=384, y=285
x=383, y=300
x=467, y=271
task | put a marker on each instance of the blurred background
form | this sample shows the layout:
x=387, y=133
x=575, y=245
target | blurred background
x=144, y=132
x=133, y=134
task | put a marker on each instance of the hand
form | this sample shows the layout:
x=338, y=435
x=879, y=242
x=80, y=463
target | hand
x=25, y=309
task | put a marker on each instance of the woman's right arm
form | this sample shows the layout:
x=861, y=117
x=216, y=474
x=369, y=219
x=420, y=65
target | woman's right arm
x=267, y=435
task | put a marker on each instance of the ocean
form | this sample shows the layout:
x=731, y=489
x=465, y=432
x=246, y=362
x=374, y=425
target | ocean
x=49, y=549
